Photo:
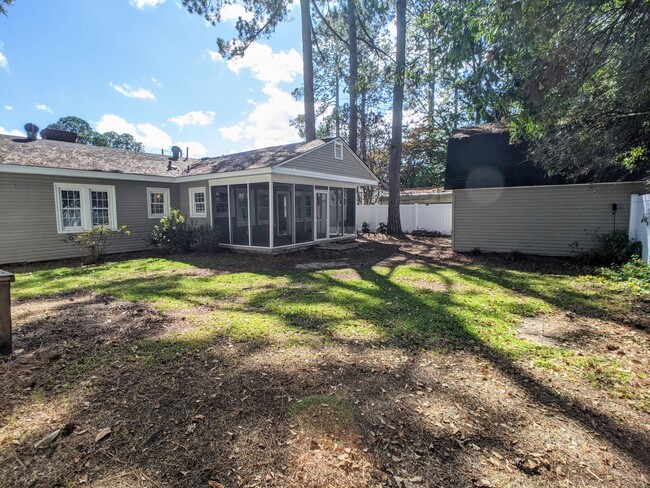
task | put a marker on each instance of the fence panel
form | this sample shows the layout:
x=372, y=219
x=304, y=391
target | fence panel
x=432, y=217
x=640, y=222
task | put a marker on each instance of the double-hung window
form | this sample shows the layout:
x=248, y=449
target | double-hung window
x=338, y=150
x=80, y=208
x=198, y=205
x=157, y=202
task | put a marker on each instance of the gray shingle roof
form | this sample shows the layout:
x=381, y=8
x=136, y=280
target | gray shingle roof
x=66, y=155
x=257, y=158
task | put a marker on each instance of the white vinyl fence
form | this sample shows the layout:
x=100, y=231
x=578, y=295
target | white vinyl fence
x=640, y=222
x=417, y=216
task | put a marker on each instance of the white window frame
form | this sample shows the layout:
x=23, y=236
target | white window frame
x=165, y=193
x=338, y=150
x=193, y=212
x=86, y=208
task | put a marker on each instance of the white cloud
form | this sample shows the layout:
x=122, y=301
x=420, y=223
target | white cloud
x=155, y=81
x=4, y=63
x=215, y=56
x=126, y=90
x=197, y=150
x=266, y=65
x=8, y=107
x=17, y=133
x=43, y=108
x=146, y=3
x=232, y=12
x=153, y=138
x=197, y=117
x=268, y=124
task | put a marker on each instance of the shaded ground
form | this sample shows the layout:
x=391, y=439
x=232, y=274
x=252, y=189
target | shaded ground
x=315, y=405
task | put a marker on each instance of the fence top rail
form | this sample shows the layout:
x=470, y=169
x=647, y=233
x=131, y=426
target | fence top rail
x=6, y=276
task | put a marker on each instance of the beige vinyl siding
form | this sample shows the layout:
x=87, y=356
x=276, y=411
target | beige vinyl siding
x=322, y=160
x=28, y=230
x=543, y=220
x=184, y=201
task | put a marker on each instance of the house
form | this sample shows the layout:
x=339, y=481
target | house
x=503, y=202
x=267, y=199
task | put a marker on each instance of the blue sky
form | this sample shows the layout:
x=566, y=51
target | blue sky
x=149, y=68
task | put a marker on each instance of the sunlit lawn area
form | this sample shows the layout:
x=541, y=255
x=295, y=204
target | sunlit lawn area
x=214, y=318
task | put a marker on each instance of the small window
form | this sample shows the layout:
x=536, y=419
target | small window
x=338, y=150
x=80, y=208
x=99, y=208
x=157, y=202
x=198, y=206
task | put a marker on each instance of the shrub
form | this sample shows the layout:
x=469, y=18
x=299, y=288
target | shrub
x=382, y=228
x=633, y=275
x=175, y=234
x=365, y=227
x=95, y=243
x=206, y=239
x=614, y=248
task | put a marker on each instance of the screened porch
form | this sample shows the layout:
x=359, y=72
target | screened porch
x=268, y=215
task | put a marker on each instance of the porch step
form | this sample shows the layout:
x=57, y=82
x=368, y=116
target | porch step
x=337, y=246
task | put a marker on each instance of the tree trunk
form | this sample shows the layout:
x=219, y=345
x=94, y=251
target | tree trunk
x=363, y=128
x=354, y=68
x=394, y=222
x=337, y=113
x=308, y=71
x=432, y=82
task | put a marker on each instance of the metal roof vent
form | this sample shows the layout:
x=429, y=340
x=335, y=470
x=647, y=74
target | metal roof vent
x=32, y=131
x=59, y=135
x=176, y=153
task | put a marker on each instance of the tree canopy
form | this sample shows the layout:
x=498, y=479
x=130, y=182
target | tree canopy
x=86, y=134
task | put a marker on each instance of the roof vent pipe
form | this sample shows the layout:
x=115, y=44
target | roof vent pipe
x=187, y=153
x=32, y=131
x=176, y=153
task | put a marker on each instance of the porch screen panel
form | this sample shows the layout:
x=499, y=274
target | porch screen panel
x=239, y=214
x=282, y=214
x=304, y=213
x=220, y=220
x=260, y=214
x=336, y=212
x=349, y=210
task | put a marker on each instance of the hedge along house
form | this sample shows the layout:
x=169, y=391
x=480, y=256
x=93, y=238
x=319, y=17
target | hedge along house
x=267, y=199
x=503, y=202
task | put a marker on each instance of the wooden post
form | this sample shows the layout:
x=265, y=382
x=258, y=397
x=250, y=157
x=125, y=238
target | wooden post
x=5, y=312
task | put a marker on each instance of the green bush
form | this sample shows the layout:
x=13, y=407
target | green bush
x=365, y=227
x=176, y=235
x=614, y=248
x=382, y=228
x=206, y=239
x=95, y=243
x=633, y=275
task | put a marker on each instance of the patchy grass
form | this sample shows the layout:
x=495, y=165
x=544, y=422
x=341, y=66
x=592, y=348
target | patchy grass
x=394, y=368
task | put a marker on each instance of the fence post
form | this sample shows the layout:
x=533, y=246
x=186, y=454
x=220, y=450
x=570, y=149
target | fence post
x=417, y=223
x=5, y=312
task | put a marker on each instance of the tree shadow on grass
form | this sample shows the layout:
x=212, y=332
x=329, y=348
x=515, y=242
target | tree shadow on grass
x=195, y=409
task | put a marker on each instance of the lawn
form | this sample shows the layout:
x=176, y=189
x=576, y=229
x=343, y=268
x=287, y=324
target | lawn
x=397, y=363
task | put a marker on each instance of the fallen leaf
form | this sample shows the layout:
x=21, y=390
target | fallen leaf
x=105, y=432
x=215, y=484
x=83, y=479
x=47, y=440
